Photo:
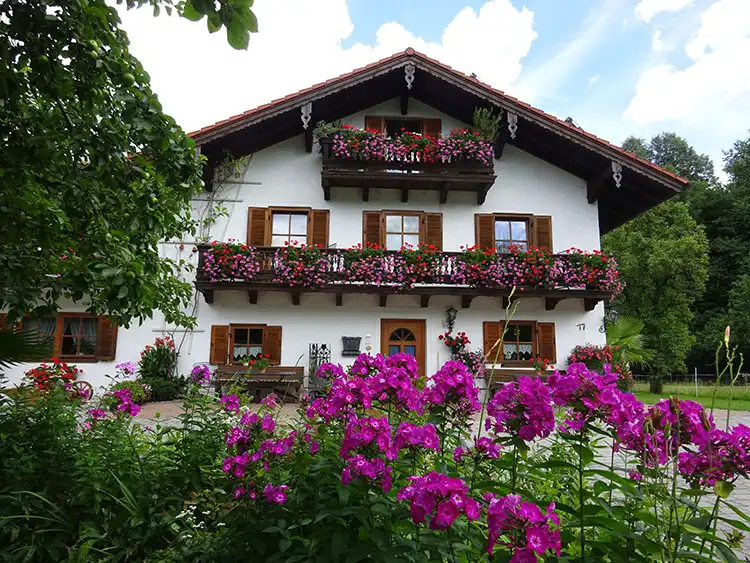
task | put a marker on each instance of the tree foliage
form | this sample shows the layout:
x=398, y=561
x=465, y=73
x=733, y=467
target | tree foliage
x=674, y=153
x=663, y=257
x=94, y=174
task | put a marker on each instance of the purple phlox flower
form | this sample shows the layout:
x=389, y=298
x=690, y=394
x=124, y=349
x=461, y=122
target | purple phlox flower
x=373, y=470
x=275, y=494
x=587, y=395
x=724, y=457
x=127, y=368
x=231, y=403
x=441, y=497
x=412, y=436
x=453, y=385
x=270, y=401
x=97, y=414
x=201, y=374
x=268, y=424
x=526, y=528
x=522, y=409
x=124, y=402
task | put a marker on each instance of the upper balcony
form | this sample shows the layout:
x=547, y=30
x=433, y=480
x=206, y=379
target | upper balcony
x=591, y=277
x=365, y=159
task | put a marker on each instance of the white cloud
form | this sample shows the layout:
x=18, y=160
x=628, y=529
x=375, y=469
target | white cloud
x=714, y=86
x=200, y=79
x=657, y=43
x=647, y=9
x=593, y=80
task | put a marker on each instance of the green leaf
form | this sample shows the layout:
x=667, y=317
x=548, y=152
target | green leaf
x=723, y=489
x=284, y=545
x=190, y=13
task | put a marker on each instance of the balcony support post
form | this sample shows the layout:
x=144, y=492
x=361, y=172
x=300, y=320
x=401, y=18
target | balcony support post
x=424, y=301
x=404, y=195
x=339, y=299
x=253, y=297
x=295, y=297
x=366, y=193
x=444, y=192
x=383, y=300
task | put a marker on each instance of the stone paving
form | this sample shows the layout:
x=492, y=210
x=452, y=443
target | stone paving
x=166, y=413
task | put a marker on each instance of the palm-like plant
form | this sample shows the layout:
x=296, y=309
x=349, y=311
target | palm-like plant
x=19, y=346
x=625, y=337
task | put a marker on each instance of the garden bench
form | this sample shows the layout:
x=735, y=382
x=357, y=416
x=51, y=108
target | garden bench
x=286, y=382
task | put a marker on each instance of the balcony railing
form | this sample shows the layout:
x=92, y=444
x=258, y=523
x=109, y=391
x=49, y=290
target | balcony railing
x=405, y=173
x=230, y=266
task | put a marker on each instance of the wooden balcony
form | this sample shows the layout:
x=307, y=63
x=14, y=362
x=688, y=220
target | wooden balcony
x=338, y=282
x=443, y=177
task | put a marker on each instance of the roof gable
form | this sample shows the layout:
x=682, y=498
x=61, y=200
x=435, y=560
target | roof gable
x=410, y=74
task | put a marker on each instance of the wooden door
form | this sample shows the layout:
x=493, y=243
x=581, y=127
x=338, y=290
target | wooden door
x=404, y=336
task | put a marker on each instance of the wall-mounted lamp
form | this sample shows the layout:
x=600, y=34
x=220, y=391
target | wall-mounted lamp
x=450, y=317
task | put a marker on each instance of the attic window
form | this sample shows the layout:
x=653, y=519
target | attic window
x=395, y=126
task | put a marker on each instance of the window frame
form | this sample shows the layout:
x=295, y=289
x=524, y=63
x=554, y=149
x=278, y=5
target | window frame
x=302, y=211
x=233, y=327
x=420, y=234
x=534, y=343
x=509, y=218
x=417, y=120
x=59, y=328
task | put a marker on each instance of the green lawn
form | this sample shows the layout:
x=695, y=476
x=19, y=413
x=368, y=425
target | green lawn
x=740, y=395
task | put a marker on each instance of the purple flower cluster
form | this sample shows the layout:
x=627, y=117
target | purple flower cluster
x=522, y=409
x=588, y=395
x=230, y=260
x=200, y=374
x=94, y=416
x=525, y=528
x=724, y=457
x=231, y=403
x=453, y=385
x=126, y=404
x=275, y=494
x=373, y=435
x=299, y=265
x=269, y=401
x=440, y=497
x=483, y=447
x=373, y=470
x=127, y=368
x=412, y=436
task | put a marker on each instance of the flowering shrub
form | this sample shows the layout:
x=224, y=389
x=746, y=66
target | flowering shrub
x=596, y=357
x=472, y=359
x=539, y=364
x=230, y=261
x=140, y=392
x=200, y=374
x=159, y=359
x=350, y=143
x=300, y=265
x=47, y=375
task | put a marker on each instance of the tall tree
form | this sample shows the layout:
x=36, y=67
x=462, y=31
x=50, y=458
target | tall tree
x=94, y=174
x=663, y=257
x=674, y=153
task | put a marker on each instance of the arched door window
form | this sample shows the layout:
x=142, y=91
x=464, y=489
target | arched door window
x=404, y=337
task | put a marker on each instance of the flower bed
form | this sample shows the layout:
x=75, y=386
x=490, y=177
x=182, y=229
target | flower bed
x=350, y=143
x=230, y=261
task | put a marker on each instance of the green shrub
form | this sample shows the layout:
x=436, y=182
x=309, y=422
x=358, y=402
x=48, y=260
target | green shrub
x=158, y=360
x=165, y=389
x=140, y=391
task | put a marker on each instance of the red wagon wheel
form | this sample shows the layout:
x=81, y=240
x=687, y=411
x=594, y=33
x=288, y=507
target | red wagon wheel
x=84, y=390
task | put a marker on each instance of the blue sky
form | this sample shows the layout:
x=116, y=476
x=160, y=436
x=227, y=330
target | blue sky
x=617, y=67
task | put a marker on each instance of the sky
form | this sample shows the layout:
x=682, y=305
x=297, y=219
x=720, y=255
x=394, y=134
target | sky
x=617, y=67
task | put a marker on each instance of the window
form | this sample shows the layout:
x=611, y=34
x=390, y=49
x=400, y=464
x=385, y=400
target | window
x=394, y=126
x=511, y=232
x=76, y=336
x=401, y=230
x=246, y=341
x=519, y=342
x=288, y=227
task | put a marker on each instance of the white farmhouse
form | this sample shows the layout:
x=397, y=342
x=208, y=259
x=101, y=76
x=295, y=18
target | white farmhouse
x=549, y=185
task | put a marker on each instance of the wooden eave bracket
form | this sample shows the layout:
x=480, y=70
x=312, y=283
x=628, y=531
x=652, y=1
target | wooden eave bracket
x=589, y=303
x=466, y=301
x=551, y=302
x=252, y=296
x=424, y=301
x=208, y=295
x=383, y=299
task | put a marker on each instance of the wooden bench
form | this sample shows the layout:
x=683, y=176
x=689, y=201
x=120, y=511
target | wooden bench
x=286, y=382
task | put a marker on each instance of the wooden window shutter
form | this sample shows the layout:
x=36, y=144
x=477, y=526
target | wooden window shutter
x=258, y=226
x=432, y=127
x=432, y=229
x=219, y=344
x=542, y=225
x=272, y=344
x=318, y=225
x=493, y=331
x=372, y=228
x=375, y=122
x=106, y=339
x=546, y=341
x=484, y=230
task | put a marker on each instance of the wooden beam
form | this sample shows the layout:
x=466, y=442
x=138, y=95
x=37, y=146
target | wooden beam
x=365, y=194
x=551, y=302
x=327, y=192
x=589, y=303
x=500, y=141
x=295, y=297
x=339, y=299
x=404, y=195
x=404, y=100
x=209, y=168
x=383, y=299
x=596, y=184
x=444, y=192
x=253, y=297
x=424, y=301
x=482, y=195
x=466, y=301
x=208, y=296
x=309, y=139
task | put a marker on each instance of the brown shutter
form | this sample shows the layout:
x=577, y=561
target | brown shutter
x=546, y=341
x=431, y=127
x=219, y=344
x=493, y=331
x=375, y=122
x=106, y=339
x=272, y=344
x=318, y=221
x=258, y=226
x=432, y=229
x=543, y=232
x=372, y=228
x=484, y=230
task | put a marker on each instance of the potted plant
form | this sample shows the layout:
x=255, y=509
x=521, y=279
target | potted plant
x=539, y=365
x=258, y=363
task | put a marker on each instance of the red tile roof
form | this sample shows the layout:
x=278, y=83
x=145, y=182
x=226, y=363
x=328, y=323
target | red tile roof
x=414, y=54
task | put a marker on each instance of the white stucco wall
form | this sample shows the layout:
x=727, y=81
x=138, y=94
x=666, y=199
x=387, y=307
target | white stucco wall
x=285, y=175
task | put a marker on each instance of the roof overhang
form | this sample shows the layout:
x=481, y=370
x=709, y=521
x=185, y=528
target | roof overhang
x=623, y=184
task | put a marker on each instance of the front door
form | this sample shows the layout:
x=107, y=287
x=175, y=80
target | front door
x=404, y=336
